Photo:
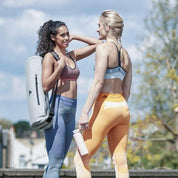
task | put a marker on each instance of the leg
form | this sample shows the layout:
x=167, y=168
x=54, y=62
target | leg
x=93, y=137
x=82, y=166
x=59, y=136
x=70, y=126
x=117, y=140
x=55, y=144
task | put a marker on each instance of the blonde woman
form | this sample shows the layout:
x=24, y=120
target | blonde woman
x=108, y=96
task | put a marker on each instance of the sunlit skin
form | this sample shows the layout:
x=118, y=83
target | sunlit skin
x=52, y=68
x=107, y=96
x=101, y=30
x=65, y=71
x=106, y=56
x=62, y=38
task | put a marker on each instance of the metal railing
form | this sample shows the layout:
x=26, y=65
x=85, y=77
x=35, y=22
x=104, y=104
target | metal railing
x=37, y=173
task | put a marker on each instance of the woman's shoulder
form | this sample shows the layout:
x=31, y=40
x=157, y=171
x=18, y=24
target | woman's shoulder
x=48, y=57
x=125, y=53
x=102, y=46
x=48, y=54
x=125, y=59
x=107, y=46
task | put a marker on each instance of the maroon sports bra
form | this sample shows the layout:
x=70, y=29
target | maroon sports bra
x=68, y=73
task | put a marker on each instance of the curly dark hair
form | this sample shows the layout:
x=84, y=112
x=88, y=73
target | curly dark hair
x=45, y=44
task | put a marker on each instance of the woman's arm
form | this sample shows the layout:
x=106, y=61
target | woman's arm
x=81, y=53
x=126, y=84
x=97, y=84
x=85, y=39
x=49, y=76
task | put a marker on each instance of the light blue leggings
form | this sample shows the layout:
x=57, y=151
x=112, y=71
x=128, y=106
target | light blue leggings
x=59, y=136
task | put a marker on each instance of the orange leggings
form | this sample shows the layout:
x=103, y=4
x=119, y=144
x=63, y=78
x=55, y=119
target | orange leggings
x=110, y=117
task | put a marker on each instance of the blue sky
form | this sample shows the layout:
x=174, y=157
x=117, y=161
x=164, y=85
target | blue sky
x=19, y=23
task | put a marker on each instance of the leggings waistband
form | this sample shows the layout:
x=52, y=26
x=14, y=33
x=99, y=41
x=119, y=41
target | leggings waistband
x=63, y=99
x=111, y=96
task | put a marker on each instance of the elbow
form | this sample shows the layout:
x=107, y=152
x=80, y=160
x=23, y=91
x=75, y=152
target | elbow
x=99, y=85
x=45, y=88
x=126, y=95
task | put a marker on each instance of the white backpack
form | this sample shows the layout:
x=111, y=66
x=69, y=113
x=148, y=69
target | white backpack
x=40, y=111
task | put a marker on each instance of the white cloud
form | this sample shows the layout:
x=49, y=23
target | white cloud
x=12, y=87
x=19, y=49
x=3, y=80
x=26, y=24
x=24, y=31
x=26, y=3
x=2, y=21
x=131, y=21
x=19, y=3
x=172, y=2
x=20, y=20
x=18, y=87
x=84, y=85
x=82, y=24
x=134, y=53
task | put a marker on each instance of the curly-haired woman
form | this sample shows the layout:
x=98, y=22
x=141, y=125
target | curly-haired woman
x=54, y=38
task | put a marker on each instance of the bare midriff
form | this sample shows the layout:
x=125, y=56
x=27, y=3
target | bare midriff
x=67, y=88
x=112, y=86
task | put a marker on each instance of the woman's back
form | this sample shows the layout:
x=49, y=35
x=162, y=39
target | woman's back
x=117, y=67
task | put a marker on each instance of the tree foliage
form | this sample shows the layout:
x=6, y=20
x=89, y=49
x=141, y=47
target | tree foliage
x=158, y=90
x=22, y=129
x=5, y=123
x=148, y=148
x=158, y=94
x=160, y=77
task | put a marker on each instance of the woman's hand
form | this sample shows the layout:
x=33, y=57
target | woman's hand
x=61, y=63
x=83, y=121
x=71, y=37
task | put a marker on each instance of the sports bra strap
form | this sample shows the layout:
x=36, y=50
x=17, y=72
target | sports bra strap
x=55, y=55
x=119, y=60
x=71, y=57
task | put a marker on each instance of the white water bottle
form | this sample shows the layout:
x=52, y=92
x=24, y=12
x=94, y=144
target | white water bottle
x=80, y=142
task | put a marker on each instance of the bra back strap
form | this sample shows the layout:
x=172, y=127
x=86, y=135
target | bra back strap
x=119, y=60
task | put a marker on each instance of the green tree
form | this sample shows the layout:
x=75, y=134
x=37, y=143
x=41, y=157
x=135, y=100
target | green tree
x=5, y=123
x=158, y=94
x=22, y=129
x=158, y=89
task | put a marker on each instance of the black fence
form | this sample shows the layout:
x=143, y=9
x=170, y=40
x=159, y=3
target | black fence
x=37, y=173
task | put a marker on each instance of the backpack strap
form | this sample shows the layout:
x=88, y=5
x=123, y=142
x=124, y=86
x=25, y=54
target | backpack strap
x=51, y=113
x=55, y=55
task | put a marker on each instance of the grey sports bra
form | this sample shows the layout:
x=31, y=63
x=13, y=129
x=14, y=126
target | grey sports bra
x=115, y=72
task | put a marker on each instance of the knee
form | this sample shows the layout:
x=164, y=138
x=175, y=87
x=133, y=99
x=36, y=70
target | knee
x=120, y=160
x=55, y=163
x=76, y=158
x=82, y=166
x=81, y=161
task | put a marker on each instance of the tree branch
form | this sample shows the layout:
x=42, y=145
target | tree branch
x=168, y=127
x=153, y=139
x=174, y=63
